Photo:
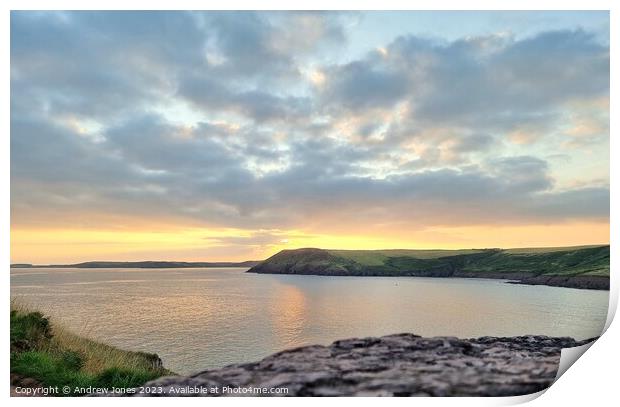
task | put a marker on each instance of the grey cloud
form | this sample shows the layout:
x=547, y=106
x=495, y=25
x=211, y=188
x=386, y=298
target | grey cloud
x=587, y=202
x=252, y=44
x=516, y=83
x=545, y=80
x=156, y=145
x=474, y=142
x=98, y=64
x=360, y=86
x=523, y=173
x=256, y=104
x=484, y=82
x=243, y=41
x=255, y=239
x=49, y=153
x=204, y=181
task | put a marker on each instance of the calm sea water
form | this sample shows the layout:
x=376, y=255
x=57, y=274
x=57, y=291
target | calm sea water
x=197, y=319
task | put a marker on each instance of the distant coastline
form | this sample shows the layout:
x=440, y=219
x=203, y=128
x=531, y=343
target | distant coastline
x=585, y=267
x=140, y=264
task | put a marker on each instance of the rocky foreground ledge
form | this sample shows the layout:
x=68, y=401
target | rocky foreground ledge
x=394, y=365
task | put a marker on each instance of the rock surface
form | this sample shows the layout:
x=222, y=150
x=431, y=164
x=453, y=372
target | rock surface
x=394, y=365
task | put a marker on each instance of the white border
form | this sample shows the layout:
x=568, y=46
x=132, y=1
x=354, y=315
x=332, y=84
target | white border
x=594, y=378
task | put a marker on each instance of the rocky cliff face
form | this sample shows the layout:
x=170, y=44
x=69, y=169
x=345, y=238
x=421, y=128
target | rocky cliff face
x=395, y=365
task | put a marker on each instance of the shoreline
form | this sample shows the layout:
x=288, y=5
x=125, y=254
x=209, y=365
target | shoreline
x=600, y=283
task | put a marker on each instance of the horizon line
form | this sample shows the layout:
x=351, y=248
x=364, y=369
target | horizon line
x=319, y=248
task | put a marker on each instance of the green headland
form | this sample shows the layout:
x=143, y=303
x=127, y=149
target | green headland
x=577, y=267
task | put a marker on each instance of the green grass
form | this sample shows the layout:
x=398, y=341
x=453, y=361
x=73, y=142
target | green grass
x=365, y=257
x=529, y=250
x=552, y=261
x=54, y=356
x=592, y=260
x=580, y=260
x=379, y=257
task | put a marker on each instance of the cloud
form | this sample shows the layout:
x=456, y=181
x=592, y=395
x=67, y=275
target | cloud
x=150, y=168
x=255, y=104
x=513, y=83
x=98, y=64
x=360, y=86
x=494, y=83
x=423, y=132
x=106, y=64
x=262, y=238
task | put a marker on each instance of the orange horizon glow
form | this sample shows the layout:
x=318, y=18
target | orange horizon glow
x=58, y=246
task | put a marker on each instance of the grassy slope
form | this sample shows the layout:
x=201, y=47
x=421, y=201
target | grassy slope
x=591, y=261
x=379, y=257
x=581, y=260
x=54, y=356
x=567, y=261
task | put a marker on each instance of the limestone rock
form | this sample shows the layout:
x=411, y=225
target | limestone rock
x=394, y=365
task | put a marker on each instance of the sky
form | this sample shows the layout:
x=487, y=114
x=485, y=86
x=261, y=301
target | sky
x=212, y=136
